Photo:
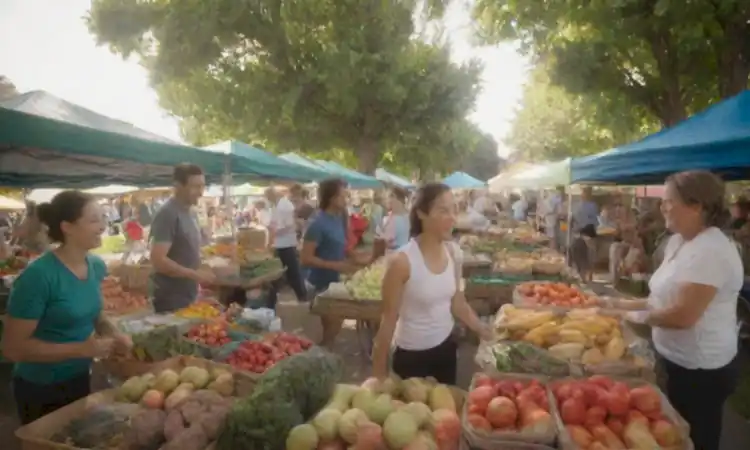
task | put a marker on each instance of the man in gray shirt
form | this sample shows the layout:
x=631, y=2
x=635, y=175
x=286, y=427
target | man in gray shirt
x=176, y=243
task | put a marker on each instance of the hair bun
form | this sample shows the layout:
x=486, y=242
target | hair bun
x=46, y=213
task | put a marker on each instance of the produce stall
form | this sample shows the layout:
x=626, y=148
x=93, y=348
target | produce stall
x=358, y=298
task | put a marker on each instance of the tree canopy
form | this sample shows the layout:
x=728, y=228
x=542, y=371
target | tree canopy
x=318, y=76
x=552, y=124
x=666, y=58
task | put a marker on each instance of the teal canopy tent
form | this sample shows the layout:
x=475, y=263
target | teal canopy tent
x=389, y=178
x=271, y=167
x=355, y=179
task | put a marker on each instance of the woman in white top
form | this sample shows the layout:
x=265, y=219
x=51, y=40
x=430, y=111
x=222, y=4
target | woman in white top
x=693, y=304
x=421, y=295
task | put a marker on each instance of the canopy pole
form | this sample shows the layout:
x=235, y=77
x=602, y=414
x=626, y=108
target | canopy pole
x=227, y=194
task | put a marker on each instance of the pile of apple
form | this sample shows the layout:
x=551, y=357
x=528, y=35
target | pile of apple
x=258, y=356
x=211, y=334
x=509, y=405
x=600, y=413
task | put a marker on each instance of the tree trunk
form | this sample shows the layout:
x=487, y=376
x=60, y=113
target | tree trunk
x=368, y=156
x=732, y=57
x=670, y=104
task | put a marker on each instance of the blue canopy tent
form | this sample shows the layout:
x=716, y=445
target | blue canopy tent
x=462, y=180
x=716, y=139
x=268, y=164
x=355, y=179
x=389, y=178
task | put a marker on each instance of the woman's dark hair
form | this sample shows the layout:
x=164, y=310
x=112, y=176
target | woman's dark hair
x=30, y=209
x=704, y=189
x=67, y=206
x=327, y=189
x=425, y=198
x=400, y=194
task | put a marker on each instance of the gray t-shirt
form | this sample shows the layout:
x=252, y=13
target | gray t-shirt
x=176, y=225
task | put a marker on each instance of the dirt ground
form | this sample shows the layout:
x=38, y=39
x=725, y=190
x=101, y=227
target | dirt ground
x=296, y=318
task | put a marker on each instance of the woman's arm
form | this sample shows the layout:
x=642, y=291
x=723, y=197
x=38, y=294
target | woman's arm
x=19, y=345
x=396, y=276
x=690, y=305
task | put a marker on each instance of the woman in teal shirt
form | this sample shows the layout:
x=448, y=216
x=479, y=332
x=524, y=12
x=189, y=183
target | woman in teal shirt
x=54, y=326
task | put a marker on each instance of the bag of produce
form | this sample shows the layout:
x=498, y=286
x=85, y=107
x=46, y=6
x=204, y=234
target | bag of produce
x=604, y=412
x=508, y=408
x=102, y=426
x=519, y=357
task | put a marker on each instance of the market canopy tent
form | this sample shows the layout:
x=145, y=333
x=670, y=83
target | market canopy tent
x=540, y=176
x=11, y=204
x=44, y=104
x=462, y=180
x=355, y=179
x=267, y=164
x=716, y=139
x=389, y=178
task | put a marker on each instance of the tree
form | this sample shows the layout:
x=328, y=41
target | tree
x=7, y=88
x=312, y=75
x=552, y=124
x=481, y=160
x=669, y=58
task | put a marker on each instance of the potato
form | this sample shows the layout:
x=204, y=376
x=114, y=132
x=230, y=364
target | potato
x=174, y=425
x=193, y=438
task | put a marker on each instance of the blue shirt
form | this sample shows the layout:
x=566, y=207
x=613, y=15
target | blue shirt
x=65, y=308
x=401, y=229
x=328, y=232
x=587, y=213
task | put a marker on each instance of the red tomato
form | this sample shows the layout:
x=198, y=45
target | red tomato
x=601, y=380
x=572, y=412
x=479, y=422
x=595, y=416
x=481, y=396
x=482, y=380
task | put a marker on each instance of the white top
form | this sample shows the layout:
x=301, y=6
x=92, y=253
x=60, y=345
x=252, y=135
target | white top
x=284, y=225
x=552, y=210
x=519, y=209
x=480, y=204
x=425, y=319
x=710, y=259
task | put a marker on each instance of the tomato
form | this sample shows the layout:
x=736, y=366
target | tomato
x=602, y=381
x=595, y=416
x=572, y=412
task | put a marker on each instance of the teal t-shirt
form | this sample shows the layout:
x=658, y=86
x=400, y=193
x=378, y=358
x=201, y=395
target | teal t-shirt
x=65, y=307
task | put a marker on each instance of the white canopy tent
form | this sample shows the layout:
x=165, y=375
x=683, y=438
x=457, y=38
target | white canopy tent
x=539, y=176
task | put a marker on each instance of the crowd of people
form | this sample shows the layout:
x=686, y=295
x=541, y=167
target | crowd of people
x=55, y=325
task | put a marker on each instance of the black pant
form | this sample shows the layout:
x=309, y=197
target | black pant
x=439, y=362
x=699, y=396
x=37, y=400
x=290, y=260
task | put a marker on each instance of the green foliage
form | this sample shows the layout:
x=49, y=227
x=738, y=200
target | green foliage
x=307, y=75
x=667, y=58
x=552, y=124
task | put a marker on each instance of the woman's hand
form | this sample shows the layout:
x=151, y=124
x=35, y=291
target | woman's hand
x=638, y=317
x=485, y=333
x=123, y=343
x=100, y=348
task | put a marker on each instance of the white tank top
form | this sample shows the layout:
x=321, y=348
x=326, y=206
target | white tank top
x=425, y=319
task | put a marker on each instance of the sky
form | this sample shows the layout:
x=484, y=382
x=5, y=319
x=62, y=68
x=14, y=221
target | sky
x=45, y=45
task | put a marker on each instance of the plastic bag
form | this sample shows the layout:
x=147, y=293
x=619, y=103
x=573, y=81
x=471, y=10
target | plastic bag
x=261, y=317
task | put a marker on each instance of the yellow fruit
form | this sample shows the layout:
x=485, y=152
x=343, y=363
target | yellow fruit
x=572, y=336
x=614, y=350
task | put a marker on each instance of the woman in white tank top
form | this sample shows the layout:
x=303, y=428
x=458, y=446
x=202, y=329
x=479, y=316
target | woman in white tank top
x=421, y=295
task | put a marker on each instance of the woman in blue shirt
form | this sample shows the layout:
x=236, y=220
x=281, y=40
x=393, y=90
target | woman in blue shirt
x=54, y=325
x=396, y=224
x=324, y=247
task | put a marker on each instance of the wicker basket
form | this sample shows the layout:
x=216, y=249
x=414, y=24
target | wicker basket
x=133, y=277
x=548, y=268
x=346, y=308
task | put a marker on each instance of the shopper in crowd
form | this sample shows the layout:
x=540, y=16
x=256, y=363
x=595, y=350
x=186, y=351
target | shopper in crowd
x=54, y=325
x=283, y=240
x=693, y=304
x=421, y=295
x=396, y=223
x=376, y=215
x=324, y=247
x=553, y=213
x=176, y=243
x=740, y=212
x=31, y=234
x=519, y=206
